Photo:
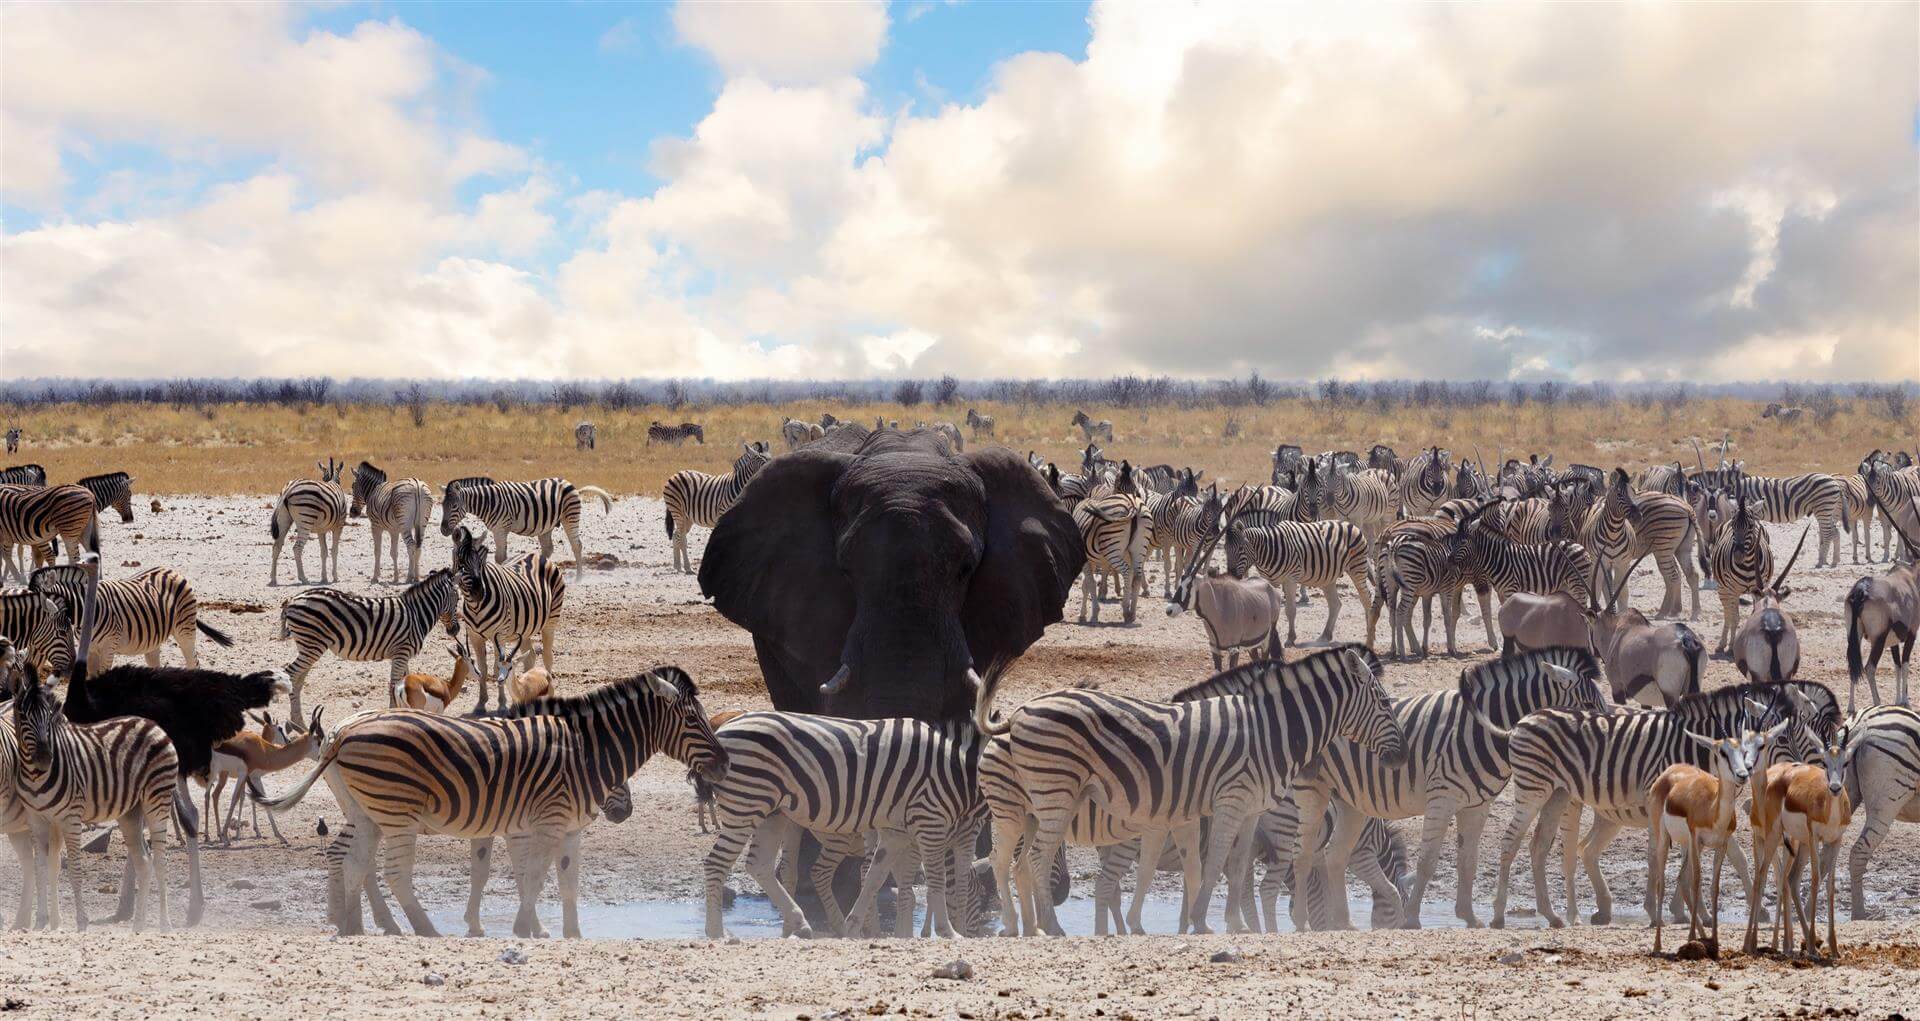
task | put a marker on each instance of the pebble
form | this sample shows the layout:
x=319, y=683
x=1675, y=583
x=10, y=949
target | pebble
x=271, y=904
x=1230, y=955
x=954, y=970
x=241, y=884
x=433, y=978
x=512, y=955
x=1511, y=957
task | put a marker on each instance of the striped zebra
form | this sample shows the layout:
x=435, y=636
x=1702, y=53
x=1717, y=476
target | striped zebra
x=1894, y=488
x=982, y=425
x=1456, y=767
x=31, y=516
x=114, y=489
x=500, y=603
x=1488, y=558
x=1883, y=779
x=676, y=434
x=1412, y=569
x=697, y=498
x=1227, y=755
x=1740, y=561
x=1786, y=500
x=1114, y=529
x=23, y=475
x=1196, y=528
x=1606, y=762
x=1856, y=516
x=38, y=627
x=73, y=775
x=583, y=436
x=136, y=615
x=1292, y=554
x=1663, y=527
x=1423, y=484
x=1261, y=504
x=16, y=823
x=912, y=783
x=365, y=629
x=1608, y=533
x=310, y=507
x=536, y=774
x=521, y=508
x=1161, y=510
x=397, y=510
x=1363, y=499
x=13, y=440
x=1101, y=430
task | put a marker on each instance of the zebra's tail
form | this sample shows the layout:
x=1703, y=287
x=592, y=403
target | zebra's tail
x=185, y=816
x=92, y=535
x=292, y=797
x=669, y=522
x=983, y=703
x=606, y=498
x=218, y=636
x=275, y=528
x=1856, y=601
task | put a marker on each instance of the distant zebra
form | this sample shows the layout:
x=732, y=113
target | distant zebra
x=697, y=498
x=508, y=603
x=1114, y=530
x=23, y=475
x=1362, y=499
x=72, y=775
x=114, y=489
x=1783, y=414
x=674, y=434
x=13, y=439
x=911, y=782
x=398, y=510
x=982, y=425
x=1456, y=768
x=365, y=629
x=1786, y=500
x=798, y=434
x=1291, y=554
x=1101, y=430
x=1287, y=458
x=521, y=508
x=1486, y=557
x=39, y=628
x=1740, y=561
x=583, y=438
x=536, y=774
x=30, y=516
x=136, y=615
x=310, y=507
x=1227, y=755
x=1423, y=484
x=1564, y=758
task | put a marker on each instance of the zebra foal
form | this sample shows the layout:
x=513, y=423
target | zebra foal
x=520, y=508
x=536, y=774
x=398, y=510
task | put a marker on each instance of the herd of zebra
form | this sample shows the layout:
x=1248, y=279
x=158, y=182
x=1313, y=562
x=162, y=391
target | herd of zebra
x=1296, y=765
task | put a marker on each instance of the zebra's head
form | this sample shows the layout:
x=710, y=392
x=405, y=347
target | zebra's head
x=469, y=553
x=453, y=505
x=1367, y=716
x=330, y=470
x=689, y=736
x=1573, y=691
x=1239, y=553
x=366, y=479
x=36, y=716
x=114, y=490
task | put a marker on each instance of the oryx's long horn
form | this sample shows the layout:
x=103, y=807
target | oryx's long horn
x=1698, y=456
x=1613, y=598
x=1802, y=544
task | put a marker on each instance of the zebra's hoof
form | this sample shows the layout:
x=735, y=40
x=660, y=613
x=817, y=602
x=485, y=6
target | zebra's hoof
x=1601, y=918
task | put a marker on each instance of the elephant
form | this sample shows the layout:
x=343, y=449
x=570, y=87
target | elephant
x=881, y=573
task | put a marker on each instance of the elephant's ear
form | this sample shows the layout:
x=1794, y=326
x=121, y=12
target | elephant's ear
x=769, y=565
x=1032, y=555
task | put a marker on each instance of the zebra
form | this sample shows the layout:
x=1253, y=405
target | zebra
x=114, y=489
x=1740, y=561
x=23, y=475
x=498, y=602
x=363, y=629
x=1114, y=529
x=1423, y=483
x=697, y=498
x=1606, y=762
x=536, y=774
x=1486, y=557
x=13, y=439
x=1363, y=499
x=912, y=782
x=1883, y=779
x=316, y=507
x=521, y=508
x=1162, y=478
x=30, y=516
x=71, y=775
x=1227, y=752
x=583, y=438
x=1608, y=533
x=1161, y=510
x=1382, y=457
x=676, y=434
x=798, y=434
x=136, y=615
x=40, y=628
x=982, y=425
x=1786, y=500
x=1292, y=554
x=400, y=509
x=1856, y=516
x=1663, y=527
x=1101, y=430
x=1893, y=488
x=15, y=821
x=1261, y=504
x=1456, y=767
x=1287, y=458
x=1412, y=568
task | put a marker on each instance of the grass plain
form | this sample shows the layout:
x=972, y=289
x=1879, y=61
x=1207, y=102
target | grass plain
x=254, y=449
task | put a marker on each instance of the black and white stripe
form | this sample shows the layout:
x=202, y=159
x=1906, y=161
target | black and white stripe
x=520, y=508
x=1488, y=558
x=1114, y=529
x=1739, y=559
x=114, y=489
x=136, y=615
x=1423, y=483
x=310, y=507
x=697, y=498
x=1883, y=779
x=536, y=774
x=1786, y=500
x=38, y=627
x=1291, y=554
x=364, y=629
x=23, y=475
x=505, y=603
x=398, y=511
x=31, y=516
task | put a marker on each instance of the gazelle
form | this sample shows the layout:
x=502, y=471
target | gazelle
x=1689, y=806
x=1806, y=806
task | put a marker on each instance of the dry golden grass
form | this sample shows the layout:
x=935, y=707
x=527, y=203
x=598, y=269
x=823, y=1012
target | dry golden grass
x=241, y=448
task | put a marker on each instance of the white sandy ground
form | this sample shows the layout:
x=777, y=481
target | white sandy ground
x=265, y=950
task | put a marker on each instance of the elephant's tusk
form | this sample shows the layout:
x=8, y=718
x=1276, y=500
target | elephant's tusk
x=837, y=681
x=974, y=681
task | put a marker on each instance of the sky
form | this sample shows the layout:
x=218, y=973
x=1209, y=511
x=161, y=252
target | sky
x=1629, y=192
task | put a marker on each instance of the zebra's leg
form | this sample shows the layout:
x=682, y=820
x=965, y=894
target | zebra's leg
x=761, y=866
x=1086, y=591
x=1433, y=833
x=479, y=868
x=546, y=649
x=1240, y=916
x=157, y=862
x=532, y=855
x=1331, y=592
x=1484, y=594
x=68, y=837
x=573, y=540
x=1569, y=864
x=1006, y=844
x=570, y=885
x=1598, y=838
x=935, y=862
x=1670, y=582
x=138, y=879
x=299, y=555
x=1313, y=834
x=732, y=836
x=1229, y=820
x=129, y=893
x=1548, y=814
x=1739, y=859
x=1469, y=824
x=1347, y=824
x=1151, y=845
x=1878, y=823
x=398, y=869
x=834, y=849
x=22, y=842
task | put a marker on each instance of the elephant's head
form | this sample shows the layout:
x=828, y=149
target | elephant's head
x=880, y=574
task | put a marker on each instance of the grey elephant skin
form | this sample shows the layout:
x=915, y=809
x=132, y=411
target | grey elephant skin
x=893, y=567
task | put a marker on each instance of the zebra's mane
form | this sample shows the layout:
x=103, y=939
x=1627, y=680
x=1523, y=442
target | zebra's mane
x=1720, y=700
x=107, y=477
x=1239, y=680
x=599, y=699
x=471, y=480
x=368, y=469
x=432, y=577
x=1583, y=662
